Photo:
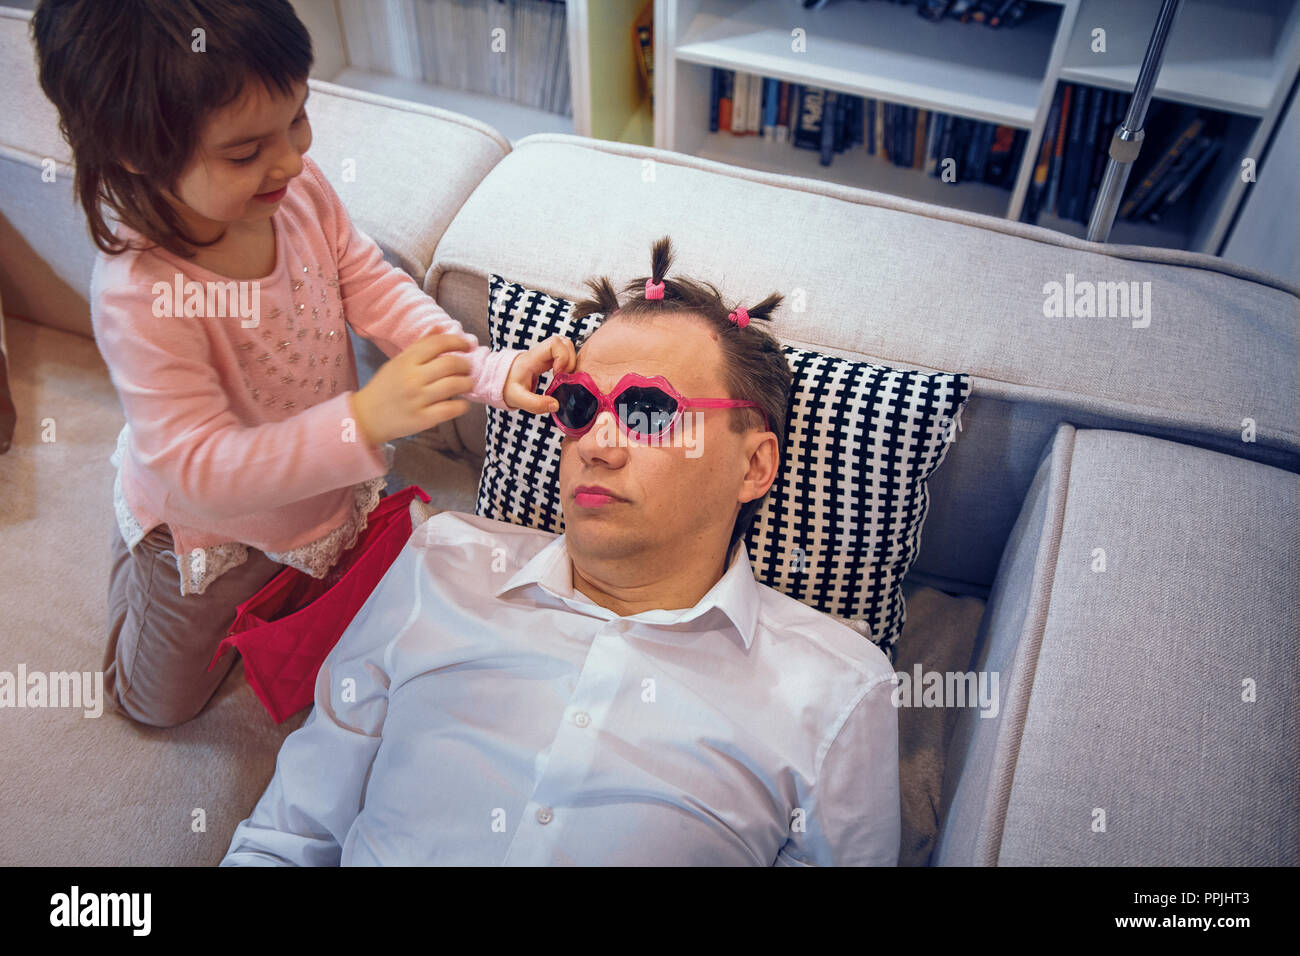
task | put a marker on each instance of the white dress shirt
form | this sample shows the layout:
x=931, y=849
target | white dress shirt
x=479, y=710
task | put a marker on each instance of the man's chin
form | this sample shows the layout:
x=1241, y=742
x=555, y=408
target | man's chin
x=598, y=536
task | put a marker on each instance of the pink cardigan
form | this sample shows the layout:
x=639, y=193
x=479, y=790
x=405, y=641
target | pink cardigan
x=241, y=434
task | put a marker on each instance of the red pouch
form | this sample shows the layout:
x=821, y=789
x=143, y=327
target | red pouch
x=285, y=631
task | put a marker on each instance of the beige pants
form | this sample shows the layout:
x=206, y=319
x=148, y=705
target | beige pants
x=160, y=643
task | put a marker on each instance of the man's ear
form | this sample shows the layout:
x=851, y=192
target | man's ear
x=764, y=460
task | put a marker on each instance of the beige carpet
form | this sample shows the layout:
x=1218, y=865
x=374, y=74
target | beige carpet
x=78, y=791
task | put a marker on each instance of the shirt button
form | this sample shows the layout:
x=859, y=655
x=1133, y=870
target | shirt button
x=544, y=815
x=581, y=718
x=621, y=626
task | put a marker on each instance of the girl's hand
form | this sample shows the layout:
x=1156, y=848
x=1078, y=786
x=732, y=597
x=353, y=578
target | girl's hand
x=555, y=353
x=415, y=389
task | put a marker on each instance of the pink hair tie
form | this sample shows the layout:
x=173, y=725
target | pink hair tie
x=740, y=316
x=653, y=291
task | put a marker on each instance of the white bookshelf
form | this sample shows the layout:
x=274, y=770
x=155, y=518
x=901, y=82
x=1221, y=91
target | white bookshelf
x=366, y=45
x=1240, y=58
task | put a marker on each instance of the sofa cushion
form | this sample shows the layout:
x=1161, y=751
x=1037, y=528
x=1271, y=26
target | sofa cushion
x=908, y=285
x=1145, y=629
x=839, y=528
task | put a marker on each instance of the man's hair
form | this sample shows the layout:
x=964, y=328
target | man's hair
x=129, y=88
x=754, y=366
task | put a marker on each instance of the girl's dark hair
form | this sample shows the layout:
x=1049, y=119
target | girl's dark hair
x=754, y=366
x=130, y=88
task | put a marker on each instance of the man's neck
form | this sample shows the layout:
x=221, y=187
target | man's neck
x=627, y=587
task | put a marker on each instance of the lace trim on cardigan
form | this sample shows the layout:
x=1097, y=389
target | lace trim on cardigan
x=201, y=566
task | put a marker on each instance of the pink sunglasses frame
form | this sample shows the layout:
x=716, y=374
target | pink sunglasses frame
x=608, y=403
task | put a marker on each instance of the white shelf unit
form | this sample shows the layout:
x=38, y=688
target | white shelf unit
x=365, y=44
x=1240, y=58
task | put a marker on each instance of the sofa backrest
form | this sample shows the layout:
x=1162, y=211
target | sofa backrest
x=911, y=285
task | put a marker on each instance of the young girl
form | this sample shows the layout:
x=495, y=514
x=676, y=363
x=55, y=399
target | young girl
x=221, y=304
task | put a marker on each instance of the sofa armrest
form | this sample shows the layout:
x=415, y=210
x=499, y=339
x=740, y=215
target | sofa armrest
x=1145, y=628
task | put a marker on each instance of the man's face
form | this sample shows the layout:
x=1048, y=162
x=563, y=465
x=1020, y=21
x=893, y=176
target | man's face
x=671, y=498
x=248, y=151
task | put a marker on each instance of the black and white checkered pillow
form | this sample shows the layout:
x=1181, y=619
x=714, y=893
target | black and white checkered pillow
x=841, y=524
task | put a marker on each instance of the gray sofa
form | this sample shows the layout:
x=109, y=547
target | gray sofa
x=1108, y=534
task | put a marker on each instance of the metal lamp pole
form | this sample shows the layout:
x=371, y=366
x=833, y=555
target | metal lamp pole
x=1127, y=141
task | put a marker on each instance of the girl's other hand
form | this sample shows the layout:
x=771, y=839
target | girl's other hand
x=556, y=353
x=416, y=389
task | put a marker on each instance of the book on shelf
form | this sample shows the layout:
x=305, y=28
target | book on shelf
x=755, y=111
x=991, y=13
x=422, y=40
x=1157, y=180
x=1180, y=143
x=831, y=107
x=831, y=122
x=1208, y=148
x=1058, y=149
x=739, y=104
x=770, y=97
x=808, y=118
x=1038, y=183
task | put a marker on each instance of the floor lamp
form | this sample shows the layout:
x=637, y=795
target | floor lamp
x=1127, y=141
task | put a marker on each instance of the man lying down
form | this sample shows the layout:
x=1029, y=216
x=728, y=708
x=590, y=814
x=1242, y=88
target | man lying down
x=625, y=693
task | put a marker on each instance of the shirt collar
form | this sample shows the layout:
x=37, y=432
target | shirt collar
x=735, y=593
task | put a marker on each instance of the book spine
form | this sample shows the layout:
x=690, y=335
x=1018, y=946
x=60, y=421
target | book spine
x=1074, y=155
x=754, y=112
x=783, y=114
x=740, y=104
x=1206, y=156
x=945, y=144
x=1018, y=143
x=1052, y=202
x=809, y=119
x=887, y=133
x=882, y=150
x=1088, y=158
x=932, y=142
x=829, y=109
x=1173, y=175
x=725, y=100
x=960, y=141
x=981, y=156
x=909, y=137
x=841, y=122
x=1105, y=128
x=999, y=155
x=1189, y=133
x=918, y=146
x=871, y=127
x=1038, y=185
x=771, y=107
x=715, y=94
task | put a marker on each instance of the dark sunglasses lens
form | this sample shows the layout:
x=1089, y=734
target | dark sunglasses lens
x=646, y=411
x=577, y=405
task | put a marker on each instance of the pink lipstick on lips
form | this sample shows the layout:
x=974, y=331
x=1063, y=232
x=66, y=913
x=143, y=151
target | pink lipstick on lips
x=594, y=496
